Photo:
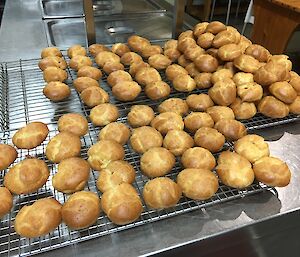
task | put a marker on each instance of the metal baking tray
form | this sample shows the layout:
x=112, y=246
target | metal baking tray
x=65, y=32
x=55, y=9
x=22, y=101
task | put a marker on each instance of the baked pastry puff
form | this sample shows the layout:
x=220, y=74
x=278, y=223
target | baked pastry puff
x=144, y=138
x=56, y=91
x=177, y=142
x=174, y=70
x=234, y=170
x=272, y=107
x=199, y=102
x=72, y=175
x=167, y=121
x=223, y=92
x=93, y=96
x=184, y=83
x=294, y=107
x=283, y=91
x=199, y=158
x=30, y=136
x=140, y=115
x=74, y=123
x=243, y=110
x=145, y=76
x=122, y=204
x=231, y=129
x=8, y=155
x=157, y=90
x=50, y=51
x=220, y=113
x=126, y=90
x=120, y=49
x=62, y=146
x=250, y=91
x=115, y=131
x=38, y=219
x=196, y=120
x=81, y=83
x=116, y=173
x=157, y=162
x=27, y=176
x=91, y=72
x=54, y=74
x=104, y=114
x=6, y=202
x=54, y=61
x=246, y=63
x=76, y=50
x=272, y=171
x=210, y=139
x=104, y=152
x=81, y=210
x=198, y=184
x=95, y=49
x=79, y=61
x=137, y=43
x=159, y=61
x=252, y=147
x=176, y=105
x=161, y=193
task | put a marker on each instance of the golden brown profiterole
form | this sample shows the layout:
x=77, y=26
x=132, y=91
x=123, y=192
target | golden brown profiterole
x=161, y=193
x=56, y=91
x=27, y=176
x=6, y=202
x=178, y=141
x=8, y=155
x=176, y=105
x=104, y=152
x=157, y=90
x=252, y=147
x=30, y=136
x=145, y=137
x=231, y=129
x=198, y=184
x=272, y=171
x=157, y=162
x=62, y=146
x=140, y=115
x=234, y=170
x=74, y=123
x=115, y=131
x=122, y=204
x=81, y=210
x=38, y=219
x=72, y=175
x=210, y=139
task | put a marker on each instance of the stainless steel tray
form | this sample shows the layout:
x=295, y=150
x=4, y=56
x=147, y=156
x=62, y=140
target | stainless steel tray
x=22, y=99
x=53, y=9
x=65, y=32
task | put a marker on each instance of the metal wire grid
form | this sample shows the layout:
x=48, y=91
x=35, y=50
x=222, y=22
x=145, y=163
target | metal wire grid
x=22, y=99
x=13, y=245
x=25, y=102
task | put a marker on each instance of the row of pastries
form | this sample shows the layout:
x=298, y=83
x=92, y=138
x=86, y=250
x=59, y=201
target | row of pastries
x=212, y=56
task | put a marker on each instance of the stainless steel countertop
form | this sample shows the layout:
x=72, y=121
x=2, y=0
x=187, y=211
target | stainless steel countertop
x=22, y=36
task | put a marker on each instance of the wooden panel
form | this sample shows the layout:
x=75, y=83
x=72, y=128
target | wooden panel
x=273, y=25
x=290, y=4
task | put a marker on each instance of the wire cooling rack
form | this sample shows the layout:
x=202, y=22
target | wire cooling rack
x=22, y=101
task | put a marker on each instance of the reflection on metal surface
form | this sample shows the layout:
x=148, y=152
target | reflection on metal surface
x=52, y=9
x=66, y=32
